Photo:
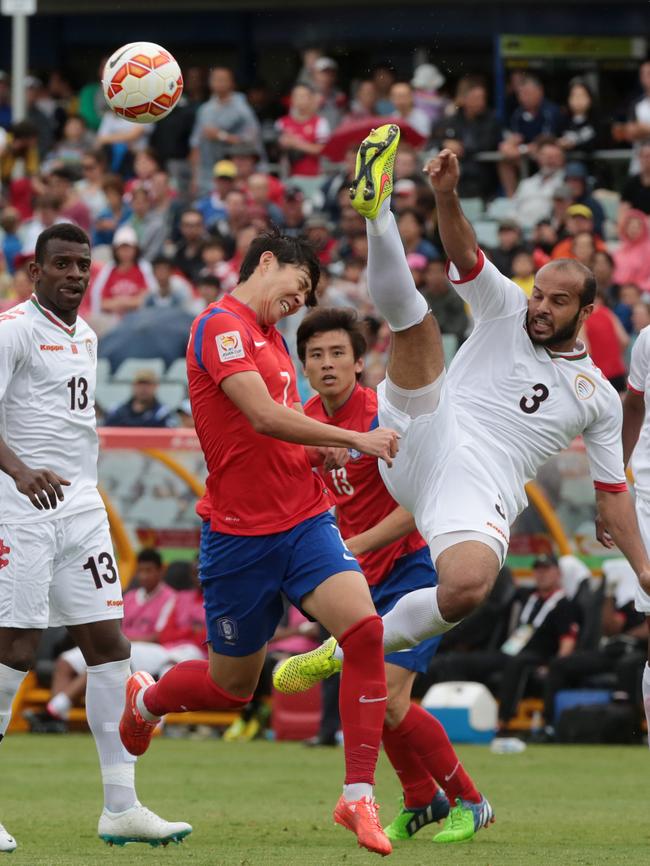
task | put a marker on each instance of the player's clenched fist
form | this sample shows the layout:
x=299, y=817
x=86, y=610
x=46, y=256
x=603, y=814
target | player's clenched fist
x=443, y=171
x=41, y=486
x=382, y=443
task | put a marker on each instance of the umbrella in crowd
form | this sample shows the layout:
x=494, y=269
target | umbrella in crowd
x=148, y=333
x=349, y=134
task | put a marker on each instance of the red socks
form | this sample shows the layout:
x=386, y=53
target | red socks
x=417, y=782
x=189, y=686
x=362, y=698
x=423, y=733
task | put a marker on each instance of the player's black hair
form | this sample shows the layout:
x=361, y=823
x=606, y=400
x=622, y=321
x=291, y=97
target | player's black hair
x=288, y=251
x=326, y=319
x=588, y=293
x=59, y=232
x=148, y=554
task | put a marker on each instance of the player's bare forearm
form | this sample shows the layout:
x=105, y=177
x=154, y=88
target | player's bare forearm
x=10, y=463
x=456, y=233
x=619, y=517
x=633, y=415
x=394, y=526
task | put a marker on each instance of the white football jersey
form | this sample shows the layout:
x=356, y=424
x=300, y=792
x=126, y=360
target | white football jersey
x=522, y=403
x=47, y=407
x=639, y=382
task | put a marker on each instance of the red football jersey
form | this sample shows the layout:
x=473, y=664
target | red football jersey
x=361, y=497
x=256, y=485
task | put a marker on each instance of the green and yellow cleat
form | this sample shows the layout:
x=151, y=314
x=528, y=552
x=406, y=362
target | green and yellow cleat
x=301, y=672
x=373, y=174
x=465, y=820
x=407, y=822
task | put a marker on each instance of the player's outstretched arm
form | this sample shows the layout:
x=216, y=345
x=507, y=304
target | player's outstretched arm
x=456, y=233
x=394, y=526
x=251, y=396
x=619, y=517
x=42, y=487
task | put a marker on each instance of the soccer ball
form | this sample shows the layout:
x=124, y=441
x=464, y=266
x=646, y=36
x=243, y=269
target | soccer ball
x=142, y=82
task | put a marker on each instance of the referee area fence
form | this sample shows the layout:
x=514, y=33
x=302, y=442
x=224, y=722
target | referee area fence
x=150, y=481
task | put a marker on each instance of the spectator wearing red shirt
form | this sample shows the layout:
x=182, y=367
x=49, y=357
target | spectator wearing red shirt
x=121, y=285
x=303, y=133
x=606, y=341
x=255, y=547
x=395, y=560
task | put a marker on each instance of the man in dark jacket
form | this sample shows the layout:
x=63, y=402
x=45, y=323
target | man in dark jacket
x=143, y=409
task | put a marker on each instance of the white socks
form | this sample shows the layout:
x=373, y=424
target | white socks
x=105, y=694
x=357, y=791
x=10, y=681
x=645, y=685
x=390, y=281
x=414, y=618
x=59, y=706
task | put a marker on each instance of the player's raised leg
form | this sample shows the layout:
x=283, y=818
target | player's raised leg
x=415, y=376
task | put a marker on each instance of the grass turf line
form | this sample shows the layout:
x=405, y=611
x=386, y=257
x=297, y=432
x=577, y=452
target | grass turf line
x=270, y=804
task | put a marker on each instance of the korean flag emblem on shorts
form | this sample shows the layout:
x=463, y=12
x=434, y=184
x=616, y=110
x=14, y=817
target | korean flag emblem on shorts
x=230, y=346
x=227, y=629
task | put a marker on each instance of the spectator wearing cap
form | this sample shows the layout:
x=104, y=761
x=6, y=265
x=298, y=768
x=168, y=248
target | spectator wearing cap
x=404, y=109
x=121, y=285
x=578, y=218
x=405, y=195
x=633, y=255
x=534, y=196
x=426, y=83
x=533, y=117
x=293, y=210
x=226, y=119
x=143, y=408
x=187, y=257
x=636, y=191
x=444, y=302
x=546, y=627
x=417, y=265
x=302, y=133
x=170, y=288
x=472, y=128
x=213, y=205
x=606, y=341
x=411, y=227
x=318, y=232
x=509, y=243
x=576, y=177
x=331, y=101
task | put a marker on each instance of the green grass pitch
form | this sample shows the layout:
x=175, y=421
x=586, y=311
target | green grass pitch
x=270, y=804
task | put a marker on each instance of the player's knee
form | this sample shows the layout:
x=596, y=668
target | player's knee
x=20, y=655
x=463, y=597
x=104, y=651
x=397, y=707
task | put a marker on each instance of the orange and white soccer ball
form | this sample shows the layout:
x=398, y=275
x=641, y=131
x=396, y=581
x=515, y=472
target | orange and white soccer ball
x=142, y=82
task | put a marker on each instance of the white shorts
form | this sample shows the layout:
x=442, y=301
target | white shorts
x=441, y=479
x=642, y=599
x=151, y=657
x=58, y=572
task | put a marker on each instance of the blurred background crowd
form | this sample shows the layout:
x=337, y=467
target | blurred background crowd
x=172, y=207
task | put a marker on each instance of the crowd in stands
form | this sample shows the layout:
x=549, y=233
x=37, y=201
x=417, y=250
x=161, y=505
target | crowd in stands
x=171, y=207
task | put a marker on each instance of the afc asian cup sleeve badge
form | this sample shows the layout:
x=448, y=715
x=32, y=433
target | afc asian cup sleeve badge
x=90, y=348
x=584, y=387
x=230, y=346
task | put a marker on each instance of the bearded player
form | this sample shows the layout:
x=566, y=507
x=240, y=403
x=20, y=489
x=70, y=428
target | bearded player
x=519, y=390
x=395, y=560
x=267, y=530
x=57, y=565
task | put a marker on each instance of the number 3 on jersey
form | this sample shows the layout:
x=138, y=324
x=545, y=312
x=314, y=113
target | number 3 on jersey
x=529, y=405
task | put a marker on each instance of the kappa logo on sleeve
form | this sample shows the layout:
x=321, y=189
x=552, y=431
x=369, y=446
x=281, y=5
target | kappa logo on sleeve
x=230, y=346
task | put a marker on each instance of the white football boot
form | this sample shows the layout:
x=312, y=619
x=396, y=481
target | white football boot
x=7, y=842
x=139, y=824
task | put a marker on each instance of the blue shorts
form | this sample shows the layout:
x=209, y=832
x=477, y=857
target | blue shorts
x=413, y=571
x=244, y=576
